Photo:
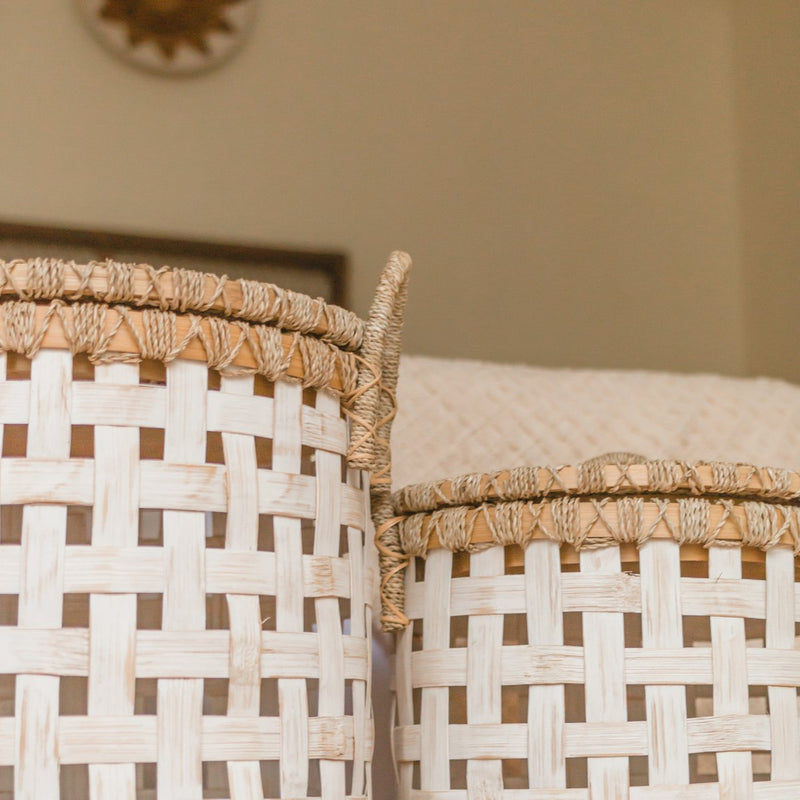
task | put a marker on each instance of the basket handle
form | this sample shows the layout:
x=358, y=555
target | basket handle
x=374, y=402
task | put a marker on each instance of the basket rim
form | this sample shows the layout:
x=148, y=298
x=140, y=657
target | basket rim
x=608, y=475
x=180, y=290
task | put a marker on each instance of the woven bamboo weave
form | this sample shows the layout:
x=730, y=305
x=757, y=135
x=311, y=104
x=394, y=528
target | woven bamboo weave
x=623, y=643
x=184, y=514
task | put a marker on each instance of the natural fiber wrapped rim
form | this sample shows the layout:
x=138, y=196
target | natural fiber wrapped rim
x=610, y=474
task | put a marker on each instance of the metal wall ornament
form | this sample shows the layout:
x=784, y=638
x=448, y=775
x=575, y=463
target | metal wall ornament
x=171, y=37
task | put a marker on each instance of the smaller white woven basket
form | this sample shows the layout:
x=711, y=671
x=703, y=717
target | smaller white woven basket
x=620, y=629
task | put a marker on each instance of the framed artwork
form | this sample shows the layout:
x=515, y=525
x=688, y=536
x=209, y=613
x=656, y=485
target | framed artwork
x=315, y=273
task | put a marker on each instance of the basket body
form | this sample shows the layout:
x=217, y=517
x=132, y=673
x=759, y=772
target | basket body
x=184, y=603
x=654, y=656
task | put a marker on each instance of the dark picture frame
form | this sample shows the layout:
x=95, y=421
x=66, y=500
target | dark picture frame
x=313, y=272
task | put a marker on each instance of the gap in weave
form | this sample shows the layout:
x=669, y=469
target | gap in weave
x=344, y=615
x=693, y=568
x=74, y=781
x=308, y=461
x=270, y=778
x=514, y=705
x=6, y=782
x=266, y=605
x=152, y=372
x=457, y=698
x=515, y=773
x=214, y=380
x=263, y=452
x=18, y=367
x=702, y=768
x=266, y=533
x=755, y=632
x=699, y=701
x=309, y=615
x=459, y=627
x=8, y=691
x=458, y=774
x=151, y=444
x=461, y=565
x=515, y=629
x=514, y=560
x=79, y=525
x=416, y=636
x=216, y=522
x=638, y=771
x=145, y=696
x=348, y=777
x=762, y=765
x=149, y=608
x=416, y=703
x=757, y=700
x=73, y=696
x=9, y=609
x=312, y=688
x=574, y=702
x=81, y=443
x=146, y=781
x=263, y=387
x=151, y=529
x=214, y=451
x=15, y=441
x=632, y=626
x=310, y=397
x=418, y=569
x=344, y=544
x=416, y=781
x=82, y=368
x=215, y=697
x=11, y=524
x=215, y=779
x=696, y=631
x=76, y=611
x=573, y=628
x=217, y=612
x=268, y=703
x=308, y=532
x=635, y=703
x=577, y=770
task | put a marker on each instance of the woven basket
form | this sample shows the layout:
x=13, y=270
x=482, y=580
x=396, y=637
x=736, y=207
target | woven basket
x=619, y=629
x=183, y=507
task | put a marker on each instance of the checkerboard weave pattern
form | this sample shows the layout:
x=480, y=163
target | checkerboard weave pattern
x=650, y=668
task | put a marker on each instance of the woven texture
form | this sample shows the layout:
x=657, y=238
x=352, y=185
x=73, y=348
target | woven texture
x=184, y=542
x=601, y=646
x=457, y=417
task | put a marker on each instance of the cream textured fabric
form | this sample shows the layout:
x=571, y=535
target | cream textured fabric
x=459, y=416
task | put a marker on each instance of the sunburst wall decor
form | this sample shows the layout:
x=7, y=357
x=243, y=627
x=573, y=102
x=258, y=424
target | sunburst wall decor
x=170, y=36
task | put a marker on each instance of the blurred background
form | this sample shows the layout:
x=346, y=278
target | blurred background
x=580, y=183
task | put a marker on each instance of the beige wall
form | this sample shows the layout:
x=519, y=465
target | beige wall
x=564, y=173
x=767, y=64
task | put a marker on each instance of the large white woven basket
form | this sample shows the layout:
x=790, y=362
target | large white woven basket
x=183, y=507
x=616, y=630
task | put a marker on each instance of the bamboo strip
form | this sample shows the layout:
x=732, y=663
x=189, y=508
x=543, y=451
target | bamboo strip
x=36, y=763
x=112, y=617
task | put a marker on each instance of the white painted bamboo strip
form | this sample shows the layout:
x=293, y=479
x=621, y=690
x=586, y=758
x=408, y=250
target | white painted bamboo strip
x=180, y=701
x=36, y=768
x=116, y=739
x=780, y=633
x=241, y=535
x=730, y=694
x=668, y=762
x=700, y=597
x=175, y=654
x=46, y=478
x=112, y=618
x=370, y=585
x=484, y=650
x=434, y=758
x=118, y=403
x=546, y=714
x=327, y=536
x=404, y=673
x=360, y=690
x=604, y=651
x=590, y=739
x=293, y=699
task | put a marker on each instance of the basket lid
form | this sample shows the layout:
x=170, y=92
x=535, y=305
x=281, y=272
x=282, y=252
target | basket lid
x=180, y=290
x=607, y=475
